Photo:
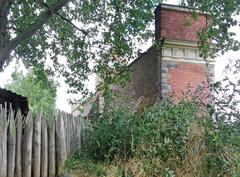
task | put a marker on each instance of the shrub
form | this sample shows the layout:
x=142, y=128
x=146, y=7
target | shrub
x=111, y=136
x=161, y=140
x=163, y=129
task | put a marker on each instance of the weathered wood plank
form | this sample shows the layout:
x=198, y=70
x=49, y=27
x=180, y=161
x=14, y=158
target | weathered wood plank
x=37, y=145
x=11, y=144
x=69, y=134
x=44, y=149
x=66, y=127
x=18, y=162
x=74, y=136
x=79, y=132
x=27, y=146
x=51, y=149
x=60, y=143
x=3, y=142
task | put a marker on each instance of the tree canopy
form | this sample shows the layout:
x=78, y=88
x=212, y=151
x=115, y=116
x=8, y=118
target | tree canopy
x=76, y=38
x=70, y=34
x=224, y=16
x=41, y=96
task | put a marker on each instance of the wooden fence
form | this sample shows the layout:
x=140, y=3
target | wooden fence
x=37, y=147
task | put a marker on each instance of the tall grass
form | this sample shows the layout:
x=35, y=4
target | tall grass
x=162, y=140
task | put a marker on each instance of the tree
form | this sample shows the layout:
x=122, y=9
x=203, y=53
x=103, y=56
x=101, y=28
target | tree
x=74, y=34
x=223, y=16
x=41, y=96
x=76, y=30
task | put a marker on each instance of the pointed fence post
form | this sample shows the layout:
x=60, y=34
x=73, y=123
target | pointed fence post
x=37, y=145
x=18, y=162
x=60, y=143
x=51, y=148
x=3, y=142
x=11, y=144
x=44, y=149
x=79, y=132
x=66, y=128
x=27, y=146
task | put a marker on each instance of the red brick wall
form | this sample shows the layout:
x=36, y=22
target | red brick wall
x=184, y=75
x=178, y=25
x=143, y=75
x=173, y=76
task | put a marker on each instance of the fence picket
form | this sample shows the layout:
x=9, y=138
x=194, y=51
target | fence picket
x=3, y=142
x=44, y=150
x=11, y=144
x=18, y=161
x=66, y=128
x=51, y=149
x=27, y=146
x=60, y=143
x=37, y=145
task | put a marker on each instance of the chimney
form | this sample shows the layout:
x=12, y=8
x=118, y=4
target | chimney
x=180, y=65
x=177, y=23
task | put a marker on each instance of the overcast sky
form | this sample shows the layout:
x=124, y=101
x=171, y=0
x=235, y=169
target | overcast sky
x=62, y=95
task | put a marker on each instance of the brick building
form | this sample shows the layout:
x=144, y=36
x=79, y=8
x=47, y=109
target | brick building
x=174, y=64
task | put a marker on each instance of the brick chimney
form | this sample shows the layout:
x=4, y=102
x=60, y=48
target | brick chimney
x=177, y=23
x=179, y=63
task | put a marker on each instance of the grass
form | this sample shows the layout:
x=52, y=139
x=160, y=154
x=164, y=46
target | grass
x=164, y=140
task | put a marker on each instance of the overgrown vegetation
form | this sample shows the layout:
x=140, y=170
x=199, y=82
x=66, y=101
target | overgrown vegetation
x=165, y=139
x=41, y=95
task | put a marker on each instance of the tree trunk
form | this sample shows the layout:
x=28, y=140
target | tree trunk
x=4, y=11
x=8, y=45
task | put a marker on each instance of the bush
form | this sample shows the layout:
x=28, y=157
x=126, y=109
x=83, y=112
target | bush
x=162, y=140
x=111, y=136
x=163, y=130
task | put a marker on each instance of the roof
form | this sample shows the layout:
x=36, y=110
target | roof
x=17, y=101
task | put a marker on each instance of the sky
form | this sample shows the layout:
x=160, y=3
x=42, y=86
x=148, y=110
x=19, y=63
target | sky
x=62, y=96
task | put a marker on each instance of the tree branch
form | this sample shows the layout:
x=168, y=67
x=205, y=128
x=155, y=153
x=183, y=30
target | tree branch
x=4, y=11
x=30, y=31
x=69, y=21
x=65, y=19
x=15, y=29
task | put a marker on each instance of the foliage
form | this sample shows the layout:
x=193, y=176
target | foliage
x=77, y=38
x=223, y=16
x=41, y=96
x=162, y=140
x=165, y=130
x=68, y=36
x=173, y=140
x=228, y=94
x=109, y=142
